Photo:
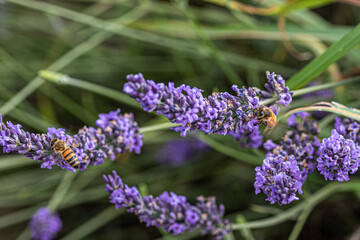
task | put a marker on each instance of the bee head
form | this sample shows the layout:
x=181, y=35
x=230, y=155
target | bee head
x=266, y=113
x=57, y=145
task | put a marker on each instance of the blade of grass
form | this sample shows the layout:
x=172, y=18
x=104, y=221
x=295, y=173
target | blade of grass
x=60, y=78
x=314, y=199
x=231, y=152
x=67, y=58
x=332, y=107
x=321, y=63
x=315, y=88
x=209, y=45
x=94, y=223
x=10, y=162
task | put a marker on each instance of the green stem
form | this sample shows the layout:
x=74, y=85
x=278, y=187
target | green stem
x=231, y=152
x=61, y=190
x=60, y=78
x=315, y=199
x=94, y=223
x=208, y=44
x=69, y=57
x=314, y=89
x=107, y=26
x=161, y=126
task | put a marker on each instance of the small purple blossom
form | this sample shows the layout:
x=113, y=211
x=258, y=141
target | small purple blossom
x=276, y=88
x=253, y=139
x=348, y=128
x=220, y=113
x=116, y=133
x=279, y=178
x=44, y=225
x=177, y=152
x=169, y=211
x=338, y=157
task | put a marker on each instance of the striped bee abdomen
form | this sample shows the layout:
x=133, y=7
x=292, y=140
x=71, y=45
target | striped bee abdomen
x=70, y=157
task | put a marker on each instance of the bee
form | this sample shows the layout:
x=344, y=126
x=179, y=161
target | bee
x=59, y=147
x=265, y=116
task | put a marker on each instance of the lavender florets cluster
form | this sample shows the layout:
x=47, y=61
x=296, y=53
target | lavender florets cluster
x=300, y=147
x=279, y=178
x=220, y=113
x=177, y=152
x=348, y=128
x=44, y=225
x=251, y=139
x=276, y=88
x=115, y=134
x=338, y=157
x=169, y=211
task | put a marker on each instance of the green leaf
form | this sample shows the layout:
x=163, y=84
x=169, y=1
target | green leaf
x=332, y=107
x=321, y=63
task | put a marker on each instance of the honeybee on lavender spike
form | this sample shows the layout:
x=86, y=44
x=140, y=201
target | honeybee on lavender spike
x=265, y=116
x=59, y=147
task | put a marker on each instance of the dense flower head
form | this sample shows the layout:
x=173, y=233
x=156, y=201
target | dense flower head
x=338, y=157
x=177, y=152
x=220, y=113
x=279, y=177
x=300, y=142
x=116, y=133
x=44, y=225
x=348, y=128
x=169, y=211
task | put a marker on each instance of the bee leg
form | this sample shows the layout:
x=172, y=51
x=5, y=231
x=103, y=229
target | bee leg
x=263, y=123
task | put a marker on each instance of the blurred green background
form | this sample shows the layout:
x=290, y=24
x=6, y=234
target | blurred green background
x=208, y=44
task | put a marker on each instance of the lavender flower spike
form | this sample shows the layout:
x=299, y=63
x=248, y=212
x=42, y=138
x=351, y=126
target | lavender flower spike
x=34, y=146
x=279, y=178
x=44, y=224
x=169, y=211
x=338, y=157
x=116, y=134
x=220, y=113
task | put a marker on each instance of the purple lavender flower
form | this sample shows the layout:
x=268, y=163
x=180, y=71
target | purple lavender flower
x=115, y=134
x=338, y=157
x=348, y=128
x=177, y=152
x=169, y=211
x=279, y=177
x=219, y=113
x=276, y=88
x=300, y=142
x=253, y=139
x=44, y=225
x=34, y=146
